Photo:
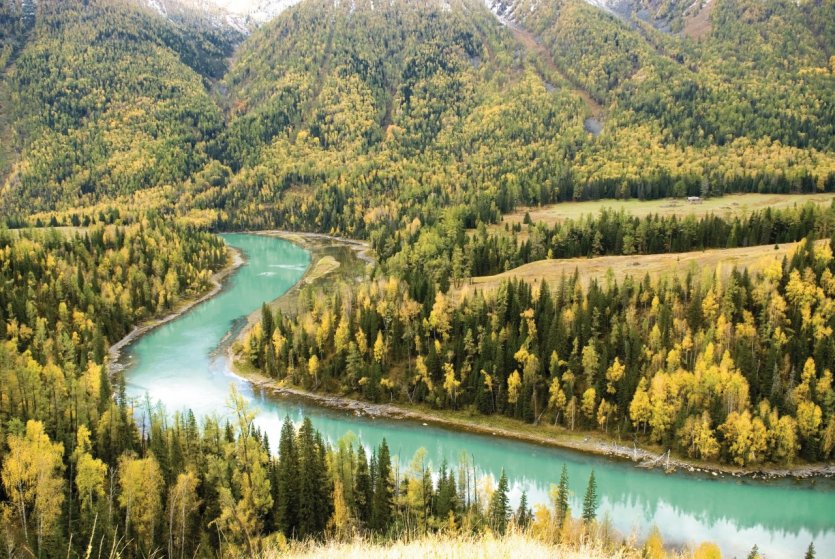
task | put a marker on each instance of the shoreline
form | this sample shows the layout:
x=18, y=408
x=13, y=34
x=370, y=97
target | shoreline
x=586, y=442
x=360, y=248
x=307, y=241
x=234, y=261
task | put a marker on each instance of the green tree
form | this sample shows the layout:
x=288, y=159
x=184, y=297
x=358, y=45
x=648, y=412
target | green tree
x=499, y=509
x=287, y=505
x=590, y=501
x=562, y=496
x=315, y=486
x=363, y=491
x=382, y=504
x=523, y=513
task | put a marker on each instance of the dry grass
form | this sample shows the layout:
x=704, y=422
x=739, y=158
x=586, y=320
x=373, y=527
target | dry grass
x=65, y=230
x=552, y=271
x=484, y=546
x=323, y=267
x=733, y=204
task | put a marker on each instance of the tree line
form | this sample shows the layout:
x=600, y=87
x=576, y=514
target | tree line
x=733, y=368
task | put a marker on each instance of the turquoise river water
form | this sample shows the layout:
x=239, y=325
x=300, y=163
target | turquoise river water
x=176, y=365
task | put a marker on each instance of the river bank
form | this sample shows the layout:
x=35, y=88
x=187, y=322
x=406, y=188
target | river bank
x=235, y=259
x=543, y=435
x=333, y=260
x=590, y=442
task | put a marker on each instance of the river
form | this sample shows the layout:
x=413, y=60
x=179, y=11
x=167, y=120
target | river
x=177, y=365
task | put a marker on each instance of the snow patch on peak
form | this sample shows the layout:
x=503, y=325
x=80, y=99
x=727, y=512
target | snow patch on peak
x=259, y=11
x=239, y=14
x=157, y=7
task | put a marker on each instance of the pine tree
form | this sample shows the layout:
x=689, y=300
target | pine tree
x=288, y=479
x=523, y=513
x=810, y=552
x=446, y=500
x=562, y=496
x=315, y=494
x=755, y=553
x=590, y=500
x=363, y=489
x=499, y=508
x=382, y=503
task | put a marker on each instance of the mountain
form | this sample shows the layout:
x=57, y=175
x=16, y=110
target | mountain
x=105, y=98
x=363, y=117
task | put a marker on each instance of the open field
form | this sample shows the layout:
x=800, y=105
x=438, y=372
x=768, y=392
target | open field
x=732, y=204
x=68, y=230
x=707, y=261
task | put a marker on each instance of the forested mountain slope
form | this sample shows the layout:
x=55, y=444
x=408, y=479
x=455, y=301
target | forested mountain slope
x=342, y=115
x=366, y=118
x=106, y=98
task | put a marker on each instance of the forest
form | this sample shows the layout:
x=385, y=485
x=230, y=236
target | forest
x=86, y=471
x=735, y=369
x=128, y=139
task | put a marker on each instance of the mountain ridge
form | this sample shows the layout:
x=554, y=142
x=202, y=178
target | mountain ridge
x=348, y=93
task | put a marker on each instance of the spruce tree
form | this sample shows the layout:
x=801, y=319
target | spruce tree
x=267, y=324
x=287, y=503
x=523, y=513
x=363, y=490
x=382, y=503
x=446, y=499
x=755, y=553
x=315, y=494
x=499, y=508
x=562, y=496
x=810, y=552
x=590, y=500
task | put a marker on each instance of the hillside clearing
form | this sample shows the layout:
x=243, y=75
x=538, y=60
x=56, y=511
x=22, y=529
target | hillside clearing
x=552, y=271
x=732, y=204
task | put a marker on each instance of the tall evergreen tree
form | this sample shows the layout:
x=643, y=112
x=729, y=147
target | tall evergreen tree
x=523, y=513
x=287, y=504
x=810, y=552
x=363, y=489
x=382, y=504
x=315, y=493
x=446, y=499
x=499, y=509
x=590, y=501
x=562, y=496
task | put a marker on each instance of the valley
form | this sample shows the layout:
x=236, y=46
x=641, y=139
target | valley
x=309, y=278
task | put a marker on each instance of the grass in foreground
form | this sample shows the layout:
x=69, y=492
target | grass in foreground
x=528, y=544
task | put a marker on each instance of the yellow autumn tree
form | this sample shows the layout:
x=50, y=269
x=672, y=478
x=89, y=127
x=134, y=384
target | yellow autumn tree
x=451, y=384
x=589, y=403
x=182, y=506
x=514, y=387
x=140, y=484
x=379, y=347
x=640, y=410
x=89, y=474
x=31, y=476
